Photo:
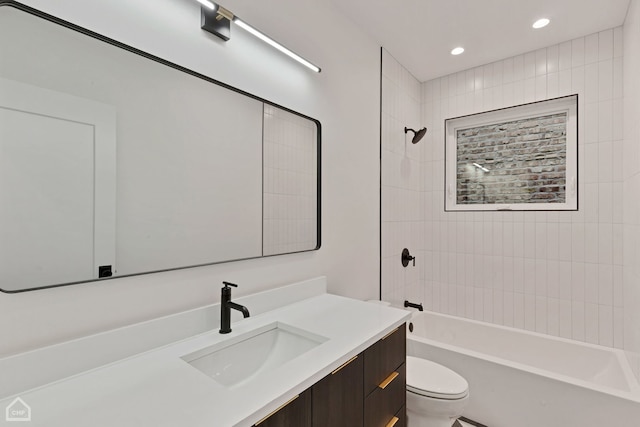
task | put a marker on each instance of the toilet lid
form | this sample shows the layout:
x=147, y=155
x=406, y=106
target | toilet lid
x=433, y=380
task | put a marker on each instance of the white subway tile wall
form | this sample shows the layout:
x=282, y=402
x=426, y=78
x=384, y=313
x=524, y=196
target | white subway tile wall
x=558, y=273
x=626, y=283
x=290, y=182
x=404, y=181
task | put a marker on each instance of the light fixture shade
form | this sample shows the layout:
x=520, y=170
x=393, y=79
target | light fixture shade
x=240, y=23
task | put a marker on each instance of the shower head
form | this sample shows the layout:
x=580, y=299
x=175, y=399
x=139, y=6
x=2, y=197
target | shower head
x=417, y=135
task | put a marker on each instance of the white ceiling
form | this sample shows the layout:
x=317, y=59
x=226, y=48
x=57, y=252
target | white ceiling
x=421, y=33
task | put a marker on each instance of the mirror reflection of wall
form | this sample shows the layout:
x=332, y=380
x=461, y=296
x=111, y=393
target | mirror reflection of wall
x=290, y=182
x=186, y=168
x=57, y=185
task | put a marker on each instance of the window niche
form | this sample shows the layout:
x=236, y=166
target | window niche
x=516, y=158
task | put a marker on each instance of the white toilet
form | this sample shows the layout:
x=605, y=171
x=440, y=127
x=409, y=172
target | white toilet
x=436, y=395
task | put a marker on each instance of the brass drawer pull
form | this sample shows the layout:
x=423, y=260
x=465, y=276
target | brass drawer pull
x=276, y=410
x=393, y=422
x=388, y=381
x=344, y=364
x=389, y=334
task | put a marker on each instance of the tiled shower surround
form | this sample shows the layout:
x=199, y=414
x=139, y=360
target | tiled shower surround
x=631, y=183
x=558, y=273
x=403, y=185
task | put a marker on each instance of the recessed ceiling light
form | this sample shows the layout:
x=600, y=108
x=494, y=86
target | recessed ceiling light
x=457, y=51
x=541, y=23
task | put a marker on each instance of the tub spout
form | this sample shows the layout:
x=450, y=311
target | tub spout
x=413, y=305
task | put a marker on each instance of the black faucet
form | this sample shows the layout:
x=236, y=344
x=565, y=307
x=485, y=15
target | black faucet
x=225, y=308
x=413, y=305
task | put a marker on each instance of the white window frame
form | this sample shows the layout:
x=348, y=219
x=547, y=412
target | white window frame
x=568, y=104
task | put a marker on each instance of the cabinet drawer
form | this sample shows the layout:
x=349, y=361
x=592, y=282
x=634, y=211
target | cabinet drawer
x=296, y=413
x=401, y=415
x=383, y=404
x=384, y=357
x=337, y=399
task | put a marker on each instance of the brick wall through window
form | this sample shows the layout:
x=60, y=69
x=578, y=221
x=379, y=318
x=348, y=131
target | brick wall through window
x=519, y=161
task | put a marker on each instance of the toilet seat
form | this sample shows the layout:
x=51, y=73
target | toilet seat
x=430, y=379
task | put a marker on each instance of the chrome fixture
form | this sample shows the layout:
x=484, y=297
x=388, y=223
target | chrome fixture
x=225, y=308
x=417, y=134
x=217, y=20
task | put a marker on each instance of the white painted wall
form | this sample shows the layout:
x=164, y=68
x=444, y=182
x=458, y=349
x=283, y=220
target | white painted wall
x=344, y=97
x=631, y=183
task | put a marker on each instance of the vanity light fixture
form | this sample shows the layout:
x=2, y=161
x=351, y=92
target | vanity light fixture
x=457, y=51
x=217, y=20
x=543, y=22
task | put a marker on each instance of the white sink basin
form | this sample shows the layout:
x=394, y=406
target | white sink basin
x=238, y=360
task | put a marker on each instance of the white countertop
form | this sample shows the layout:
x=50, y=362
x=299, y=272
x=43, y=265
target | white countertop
x=159, y=389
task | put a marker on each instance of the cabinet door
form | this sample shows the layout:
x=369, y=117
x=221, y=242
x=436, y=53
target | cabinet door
x=338, y=399
x=297, y=413
x=384, y=357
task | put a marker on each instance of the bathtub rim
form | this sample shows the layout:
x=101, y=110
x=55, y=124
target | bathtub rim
x=634, y=388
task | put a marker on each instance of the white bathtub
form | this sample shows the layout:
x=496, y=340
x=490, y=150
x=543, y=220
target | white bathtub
x=524, y=379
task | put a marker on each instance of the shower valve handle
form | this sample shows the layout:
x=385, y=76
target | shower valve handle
x=406, y=257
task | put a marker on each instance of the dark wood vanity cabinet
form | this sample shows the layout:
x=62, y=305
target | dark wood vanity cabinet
x=385, y=379
x=337, y=401
x=367, y=391
x=295, y=413
x=383, y=358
